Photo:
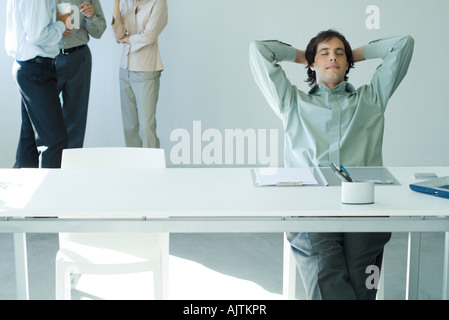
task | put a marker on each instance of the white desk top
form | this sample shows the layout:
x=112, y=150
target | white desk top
x=201, y=192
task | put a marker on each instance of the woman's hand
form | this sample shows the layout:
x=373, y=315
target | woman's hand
x=123, y=40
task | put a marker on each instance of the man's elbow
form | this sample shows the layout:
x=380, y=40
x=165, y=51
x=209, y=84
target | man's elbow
x=256, y=47
x=404, y=44
x=409, y=41
x=408, y=45
x=97, y=34
x=50, y=34
x=37, y=39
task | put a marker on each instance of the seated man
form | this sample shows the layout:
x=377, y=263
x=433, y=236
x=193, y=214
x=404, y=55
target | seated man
x=333, y=123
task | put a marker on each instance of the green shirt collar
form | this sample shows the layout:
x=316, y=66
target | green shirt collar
x=342, y=87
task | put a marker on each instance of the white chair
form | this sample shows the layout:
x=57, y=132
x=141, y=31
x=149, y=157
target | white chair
x=112, y=253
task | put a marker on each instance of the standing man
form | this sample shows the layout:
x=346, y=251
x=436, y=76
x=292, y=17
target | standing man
x=74, y=66
x=336, y=123
x=32, y=37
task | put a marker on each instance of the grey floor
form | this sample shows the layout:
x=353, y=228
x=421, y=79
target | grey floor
x=214, y=266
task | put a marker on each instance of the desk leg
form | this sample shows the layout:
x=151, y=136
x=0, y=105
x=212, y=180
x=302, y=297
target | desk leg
x=414, y=248
x=289, y=275
x=446, y=268
x=20, y=254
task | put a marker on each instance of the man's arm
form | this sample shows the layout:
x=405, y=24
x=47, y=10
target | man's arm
x=396, y=53
x=358, y=55
x=269, y=75
x=38, y=25
x=95, y=20
x=301, y=57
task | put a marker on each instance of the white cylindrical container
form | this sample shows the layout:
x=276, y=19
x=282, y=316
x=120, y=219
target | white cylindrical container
x=64, y=8
x=357, y=192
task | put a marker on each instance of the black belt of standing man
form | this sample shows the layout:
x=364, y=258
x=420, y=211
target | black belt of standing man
x=43, y=60
x=71, y=50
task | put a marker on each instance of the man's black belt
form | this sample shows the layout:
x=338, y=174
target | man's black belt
x=71, y=50
x=43, y=60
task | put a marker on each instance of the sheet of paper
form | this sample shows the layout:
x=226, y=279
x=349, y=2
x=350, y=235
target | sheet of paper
x=283, y=176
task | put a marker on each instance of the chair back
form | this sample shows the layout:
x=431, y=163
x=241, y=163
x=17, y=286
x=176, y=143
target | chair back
x=93, y=158
x=109, y=158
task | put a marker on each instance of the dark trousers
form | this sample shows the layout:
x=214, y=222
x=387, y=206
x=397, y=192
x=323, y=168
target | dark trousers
x=43, y=131
x=333, y=266
x=74, y=73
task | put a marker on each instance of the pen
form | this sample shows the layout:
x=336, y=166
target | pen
x=342, y=174
x=289, y=184
x=346, y=174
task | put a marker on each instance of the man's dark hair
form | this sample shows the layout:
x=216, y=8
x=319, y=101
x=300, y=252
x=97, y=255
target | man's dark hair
x=325, y=36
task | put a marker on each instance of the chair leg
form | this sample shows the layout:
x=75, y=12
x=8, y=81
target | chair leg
x=289, y=286
x=164, y=243
x=62, y=289
x=158, y=283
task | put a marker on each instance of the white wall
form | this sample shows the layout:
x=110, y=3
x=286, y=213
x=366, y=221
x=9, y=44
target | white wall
x=207, y=81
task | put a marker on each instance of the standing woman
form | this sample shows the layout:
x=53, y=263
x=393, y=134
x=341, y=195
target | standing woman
x=137, y=25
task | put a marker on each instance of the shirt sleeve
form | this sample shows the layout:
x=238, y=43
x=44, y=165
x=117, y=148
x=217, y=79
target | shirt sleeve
x=118, y=26
x=396, y=53
x=154, y=27
x=38, y=25
x=97, y=25
x=269, y=75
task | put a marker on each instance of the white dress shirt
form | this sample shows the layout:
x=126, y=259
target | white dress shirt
x=31, y=29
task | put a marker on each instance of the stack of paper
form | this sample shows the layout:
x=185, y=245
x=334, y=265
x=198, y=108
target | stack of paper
x=283, y=177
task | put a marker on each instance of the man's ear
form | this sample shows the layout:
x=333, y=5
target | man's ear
x=312, y=67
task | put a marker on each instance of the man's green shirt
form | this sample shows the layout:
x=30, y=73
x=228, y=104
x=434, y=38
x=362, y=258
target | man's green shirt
x=342, y=125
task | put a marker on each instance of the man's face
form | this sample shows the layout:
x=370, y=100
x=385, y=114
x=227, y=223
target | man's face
x=330, y=63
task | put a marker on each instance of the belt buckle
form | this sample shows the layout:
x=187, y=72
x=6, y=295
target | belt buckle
x=64, y=52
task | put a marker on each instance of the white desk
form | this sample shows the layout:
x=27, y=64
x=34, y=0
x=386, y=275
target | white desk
x=206, y=200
